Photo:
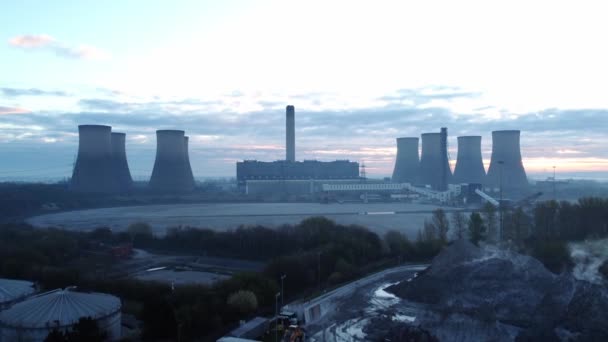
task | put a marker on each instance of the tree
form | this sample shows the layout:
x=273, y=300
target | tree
x=477, y=230
x=397, y=243
x=516, y=225
x=442, y=224
x=459, y=221
x=491, y=224
x=244, y=302
x=140, y=230
x=159, y=321
x=86, y=330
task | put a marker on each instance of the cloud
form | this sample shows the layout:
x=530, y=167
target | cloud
x=48, y=43
x=12, y=110
x=14, y=92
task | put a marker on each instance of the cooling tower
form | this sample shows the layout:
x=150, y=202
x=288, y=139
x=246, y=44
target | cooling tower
x=434, y=165
x=290, y=134
x=407, y=163
x=93, y=169
x=171, y=172
x=187, y=156
x=469, y=164
x=120, y=166
x=506, y=162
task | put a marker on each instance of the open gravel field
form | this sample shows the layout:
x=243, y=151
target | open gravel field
x=379, y=217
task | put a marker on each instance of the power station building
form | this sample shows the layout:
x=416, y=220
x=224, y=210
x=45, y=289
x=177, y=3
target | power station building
x=172, y=171
x=290, y=169
x=101, y=165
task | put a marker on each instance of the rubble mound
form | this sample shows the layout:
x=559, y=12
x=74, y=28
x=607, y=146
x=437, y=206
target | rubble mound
x=504, y=288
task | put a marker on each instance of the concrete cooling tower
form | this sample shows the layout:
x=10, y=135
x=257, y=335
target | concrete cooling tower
x=434, y=166
x=93, y=170
x=187, y=156
x=407, y=163
x=120, y=165
x=469, y=164
x=506, y=161
x=171, y=172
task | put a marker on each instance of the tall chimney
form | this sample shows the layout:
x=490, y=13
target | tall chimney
x=506, y=166
x=93, y=168
x=120, y=165
x=434, y=165
x=170, y=173
x=469, y=164
x=407, y=163
x=290, y=143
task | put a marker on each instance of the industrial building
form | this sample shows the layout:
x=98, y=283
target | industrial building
x=101, y=164
x=172, y=172
x=469, y=163
x=34, y=318
x=407, y=163
x=12, y=291
x=434, y=164
x=506, y=169
x=289, y=169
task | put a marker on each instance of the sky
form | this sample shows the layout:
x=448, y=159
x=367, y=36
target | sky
x=360, y=74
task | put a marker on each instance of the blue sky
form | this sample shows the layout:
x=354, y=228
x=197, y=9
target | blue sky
x=359, y=73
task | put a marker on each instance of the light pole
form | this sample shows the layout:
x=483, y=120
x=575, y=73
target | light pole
x=500, y=203
x=554, y=183
x=276, y=317
x=282, y=289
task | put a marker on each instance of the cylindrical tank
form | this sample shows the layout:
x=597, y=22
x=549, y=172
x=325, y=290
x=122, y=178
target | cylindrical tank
x=12, y=291
x=290, y=134
x=170, y=173
x=469, y=163
x=93, y=168
x=119, y=162
x=433, y=162
x=506, y=166
x=34, y=318
x=407, y=162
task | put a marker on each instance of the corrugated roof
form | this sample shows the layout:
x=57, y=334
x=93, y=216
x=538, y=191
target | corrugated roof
x=59, y=308
x=11, y=289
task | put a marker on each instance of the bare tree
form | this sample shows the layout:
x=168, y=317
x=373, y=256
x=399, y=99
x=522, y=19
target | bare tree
x=442, y=224
x=460, y=223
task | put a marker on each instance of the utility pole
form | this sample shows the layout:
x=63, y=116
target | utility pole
x=282, y=290
x=554, y=197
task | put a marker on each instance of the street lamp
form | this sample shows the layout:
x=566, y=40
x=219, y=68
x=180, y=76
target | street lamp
x=500, y=204
x=282, y=289
x=554, y=183
x=276, y=317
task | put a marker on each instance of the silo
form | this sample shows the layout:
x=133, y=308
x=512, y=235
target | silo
x=93, y=168
x=34, y=318
x=187, y=156
x=434, y=166
x=506, y=166
x=119, y=162
x=12, y=291
x=170, y=173
x=469, y=164
x=407, y=163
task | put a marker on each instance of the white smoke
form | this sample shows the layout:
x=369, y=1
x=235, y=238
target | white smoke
x=588, y=256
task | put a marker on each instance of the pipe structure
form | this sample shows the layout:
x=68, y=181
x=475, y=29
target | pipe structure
x=93, y=168
x=290, y=134
x=187, y=156
x=170, y=173
x=407, y=162
x=469, y=164
x=120, y=166
x=433, y=161
x=506, y=169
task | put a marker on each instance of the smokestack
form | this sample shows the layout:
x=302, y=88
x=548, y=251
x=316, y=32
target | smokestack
x=170, y=173
x=93, y=169
x=187, y=156
x=120, y=166
x=407, y=163
x=469, y=164
x=506, y=162
x=290, y=143
x=434, y=166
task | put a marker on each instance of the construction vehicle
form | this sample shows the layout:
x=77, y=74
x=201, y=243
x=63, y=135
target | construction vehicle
x=294, y=333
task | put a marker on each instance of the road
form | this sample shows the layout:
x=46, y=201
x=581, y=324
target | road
x=350, y=308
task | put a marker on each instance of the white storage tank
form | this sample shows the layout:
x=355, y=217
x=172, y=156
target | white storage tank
x=12, y=291
x=33, y=318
